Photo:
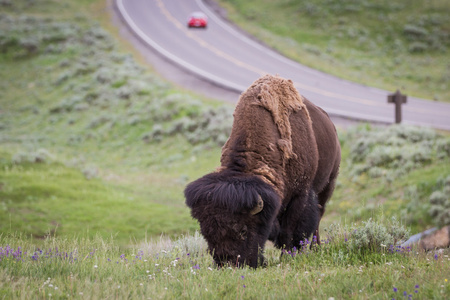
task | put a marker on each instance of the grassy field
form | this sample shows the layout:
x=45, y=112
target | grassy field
x=386, y=44
x=95, y=151
x=84, y=268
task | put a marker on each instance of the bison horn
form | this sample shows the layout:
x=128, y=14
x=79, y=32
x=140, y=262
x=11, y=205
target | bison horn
x=258, y=207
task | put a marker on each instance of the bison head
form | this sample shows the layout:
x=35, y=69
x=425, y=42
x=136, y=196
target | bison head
x=235, y=212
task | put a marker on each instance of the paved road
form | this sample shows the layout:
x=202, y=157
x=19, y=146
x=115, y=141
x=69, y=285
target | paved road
x=229, y=59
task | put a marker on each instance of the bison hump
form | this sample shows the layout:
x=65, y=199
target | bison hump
x=280, y=97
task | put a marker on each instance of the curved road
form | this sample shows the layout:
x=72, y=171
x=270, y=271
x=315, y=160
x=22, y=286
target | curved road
x=222, y=55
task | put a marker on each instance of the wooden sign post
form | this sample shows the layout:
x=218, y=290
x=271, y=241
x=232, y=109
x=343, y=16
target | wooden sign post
x=398, y=99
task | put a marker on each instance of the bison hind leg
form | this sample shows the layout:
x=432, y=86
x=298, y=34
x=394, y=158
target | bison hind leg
x=323, y=197
x=309, y=223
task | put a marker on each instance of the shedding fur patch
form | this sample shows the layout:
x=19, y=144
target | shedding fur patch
x=280, y=98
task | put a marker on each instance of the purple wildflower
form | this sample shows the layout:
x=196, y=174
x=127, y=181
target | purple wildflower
x=196, y=267
x=242, y=277
x=436, y=256
x=395, y=289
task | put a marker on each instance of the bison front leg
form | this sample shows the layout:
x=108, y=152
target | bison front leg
x=299, y=221
x=275, y=231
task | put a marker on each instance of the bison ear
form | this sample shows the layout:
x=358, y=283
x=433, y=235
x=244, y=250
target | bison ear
x=258, y=207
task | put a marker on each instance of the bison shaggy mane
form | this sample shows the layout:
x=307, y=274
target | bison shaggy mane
x=233, y=192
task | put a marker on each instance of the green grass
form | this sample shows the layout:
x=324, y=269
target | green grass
x=106, y=124
x=94, y=268
x=385, y=44
x=43, y=199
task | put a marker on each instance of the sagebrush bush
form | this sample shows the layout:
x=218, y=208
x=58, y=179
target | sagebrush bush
x=417, y=206
x=35, y=156
x=440, y=204
x=374, y=235
x=192, y=245
x=27, y=35
x=371, y=235
x=90, y=172
x=425, y=33
x=393, y=151
x=443, y=148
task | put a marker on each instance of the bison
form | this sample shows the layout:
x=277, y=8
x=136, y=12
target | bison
x=278, y=169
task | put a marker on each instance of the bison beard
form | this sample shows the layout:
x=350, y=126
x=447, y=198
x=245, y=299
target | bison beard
x=278, y=169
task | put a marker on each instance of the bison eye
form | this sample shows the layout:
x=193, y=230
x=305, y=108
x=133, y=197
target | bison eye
x=243, y=233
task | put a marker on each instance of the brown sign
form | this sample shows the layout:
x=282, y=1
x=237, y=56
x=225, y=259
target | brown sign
x=398, y=99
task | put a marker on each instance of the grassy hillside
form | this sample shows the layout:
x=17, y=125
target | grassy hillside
x=91, y=141
x=386, y=44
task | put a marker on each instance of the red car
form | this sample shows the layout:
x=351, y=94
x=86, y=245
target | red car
x=198, y=19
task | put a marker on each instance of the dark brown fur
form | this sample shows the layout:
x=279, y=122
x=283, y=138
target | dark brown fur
x=282, y=148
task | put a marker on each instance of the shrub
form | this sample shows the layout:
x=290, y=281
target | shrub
x=190, y=245
x=394, y=151
x=99, y=121
x=443, y=148
x=371, y=235
x=414, y=31
x=156, y=134
x=182, y=125
x=6, y=2
x=418, y=47
x=29, y=35
x=38, y=156
x=440, y=204
x=375, y=235
x=215, y=126
x=90, y=172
